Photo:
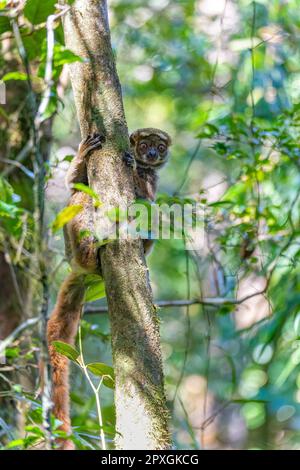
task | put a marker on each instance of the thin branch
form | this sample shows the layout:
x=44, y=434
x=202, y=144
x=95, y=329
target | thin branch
x=18, y=165
x=209, y=301
x=83, y=366
x=19, y=158
x=49, y=67
x=207, y=421
x=17, y=331
x=188, y=167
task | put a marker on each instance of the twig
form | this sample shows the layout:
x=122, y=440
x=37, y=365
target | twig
x=20, y=157
x=206, y=422
x=20, y=328
x=19, y=165
x=209, y=301
x=186, y=171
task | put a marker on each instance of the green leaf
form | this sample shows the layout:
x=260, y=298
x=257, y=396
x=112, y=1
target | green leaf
x=92, y=329
x=289, y=366
x=87, y=190
x=12, y=353
x=64, y=216
x=76, y=398
x=34, y=430
x=21, y=76
x=14, y=76
x=221, y=203
x=29, y=441
x=105, y=371
x=15, y=443
x=63, y=56
x=95, y=288
x=100, y=369
x=34, y=42
x=37, y=12
x=6, y=191
x=52, y=106
x=68, y=158
x=4, y=24
x=59, y=34
x=9, y=210
x=66, y=350
x=208, y=130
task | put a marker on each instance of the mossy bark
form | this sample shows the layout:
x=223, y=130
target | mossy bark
x=142, y=416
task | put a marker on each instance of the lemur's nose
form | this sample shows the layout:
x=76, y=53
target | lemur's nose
x=152, y=153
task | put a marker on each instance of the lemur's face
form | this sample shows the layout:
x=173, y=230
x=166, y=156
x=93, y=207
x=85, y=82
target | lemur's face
x=150, y=147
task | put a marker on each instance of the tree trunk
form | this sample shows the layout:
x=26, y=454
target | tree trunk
x=142, y=416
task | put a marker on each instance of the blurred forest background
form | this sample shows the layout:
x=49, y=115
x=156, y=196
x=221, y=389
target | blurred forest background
x=223, y=78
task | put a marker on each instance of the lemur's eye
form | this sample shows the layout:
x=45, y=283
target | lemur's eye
x=161, y=148
x=143, y=146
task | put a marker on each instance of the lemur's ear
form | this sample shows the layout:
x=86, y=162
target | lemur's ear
x=133, y=137
x=169, y=140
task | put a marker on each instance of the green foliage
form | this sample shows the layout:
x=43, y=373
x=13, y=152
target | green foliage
x=95, y=288
x=105, y=372
x=11, y=214
x=4, y=24
x=65, y=216
x=66, y=350
x=37, y=12
x=33, y=42
x=61, y=56
x=14, y=76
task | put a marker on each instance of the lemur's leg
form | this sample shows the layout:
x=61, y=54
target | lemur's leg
x=77, y=170
x=79, y=231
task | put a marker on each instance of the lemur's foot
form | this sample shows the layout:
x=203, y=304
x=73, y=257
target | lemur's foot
x=91, y=142
x=129, y=160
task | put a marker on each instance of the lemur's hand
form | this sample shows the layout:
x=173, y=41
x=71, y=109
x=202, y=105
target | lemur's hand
x=92, y=142
x=129, y=160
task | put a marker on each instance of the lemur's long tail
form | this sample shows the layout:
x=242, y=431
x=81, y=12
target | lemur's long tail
x=62, y=326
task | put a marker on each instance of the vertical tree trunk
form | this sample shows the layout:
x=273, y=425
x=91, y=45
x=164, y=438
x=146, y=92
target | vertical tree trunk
x=142, y=417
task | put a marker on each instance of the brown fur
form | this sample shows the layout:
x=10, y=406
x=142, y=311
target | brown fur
x=82, y=253
x=145, y=182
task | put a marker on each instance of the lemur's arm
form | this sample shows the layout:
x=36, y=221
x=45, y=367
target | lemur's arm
x=77, y=172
